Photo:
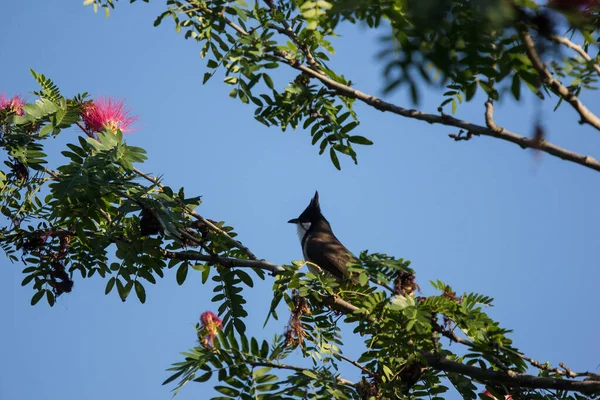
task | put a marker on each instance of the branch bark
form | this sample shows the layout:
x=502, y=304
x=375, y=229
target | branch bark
x=227, y=262
x=578, y=49
x=567, y=371
x=232, y=241
x=508, y=378
x=548, y=79
x=474, y=129
x=511, y=379
x=435, y=361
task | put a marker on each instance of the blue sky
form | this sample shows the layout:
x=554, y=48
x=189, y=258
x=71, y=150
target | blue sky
x=483, y=216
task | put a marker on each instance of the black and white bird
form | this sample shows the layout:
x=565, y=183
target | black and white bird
x=319, y=244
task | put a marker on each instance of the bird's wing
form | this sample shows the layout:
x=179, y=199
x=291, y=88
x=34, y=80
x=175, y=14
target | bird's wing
x=329, y=254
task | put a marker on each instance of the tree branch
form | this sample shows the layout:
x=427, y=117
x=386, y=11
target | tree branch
x=566, y=42
x=357, y=365
x=567, y=372
x=512, y=379
x=503, y=134
x=227, y=262
x=546, y=76
x=194, y=214
x=435, y=361
x=473, y=129
x=489, y=116
x=289, y=32
x=509, y=378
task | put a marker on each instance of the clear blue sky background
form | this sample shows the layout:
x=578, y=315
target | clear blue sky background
x=483, y=216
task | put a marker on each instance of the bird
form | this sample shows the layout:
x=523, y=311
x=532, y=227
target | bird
x=319, y=244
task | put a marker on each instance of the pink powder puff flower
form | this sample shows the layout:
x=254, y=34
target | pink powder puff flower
x=14, y=104
x=211, y=324
x=486, y=393
x=106, y=113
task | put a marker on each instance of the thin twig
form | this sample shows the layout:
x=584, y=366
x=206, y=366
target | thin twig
x=194, y=214
x=548, y=79
x=357, y=365
x=383, y=285
x=564, y=41
x=489, y=116
x=287, y=30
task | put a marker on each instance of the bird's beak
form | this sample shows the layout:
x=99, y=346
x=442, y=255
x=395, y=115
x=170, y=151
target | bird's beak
x=294, y=221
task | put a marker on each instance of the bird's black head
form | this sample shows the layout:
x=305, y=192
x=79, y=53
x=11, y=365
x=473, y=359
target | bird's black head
x=311, y=214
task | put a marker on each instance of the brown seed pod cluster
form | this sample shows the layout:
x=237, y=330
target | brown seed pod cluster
x=294, y=332
x=449, y=294
x=368, y=389
x=40, y=244
x=20, y=170
x=61, y=282
x=404, y=284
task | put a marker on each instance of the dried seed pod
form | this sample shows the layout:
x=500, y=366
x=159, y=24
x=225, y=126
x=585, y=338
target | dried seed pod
x=61, y=281
x=405, y=284
x=368, y=389
x=20, y=170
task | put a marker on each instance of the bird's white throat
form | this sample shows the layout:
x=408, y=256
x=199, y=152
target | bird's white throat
x=302, y=227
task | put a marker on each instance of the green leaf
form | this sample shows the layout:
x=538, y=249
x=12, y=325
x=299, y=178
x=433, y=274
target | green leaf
x=50, y=298
x=182, y=273
x=244, y=277
x=227, y=391
x=363, y=279
x=140, y=291
x=109, y=285
x=37, y=297
x=231, y=80
x=124, y=290
x=205, y=274
x=349, y=127
x=360, y=140
x=46, y=130
x=239, y=326
x=309, y=373
x=470, y=90
x=334, y=158
x=27, y=279
x=268, y=81
x=516, y=87
x=203, y=378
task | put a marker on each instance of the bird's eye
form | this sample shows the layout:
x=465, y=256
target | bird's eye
x=306, y=225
